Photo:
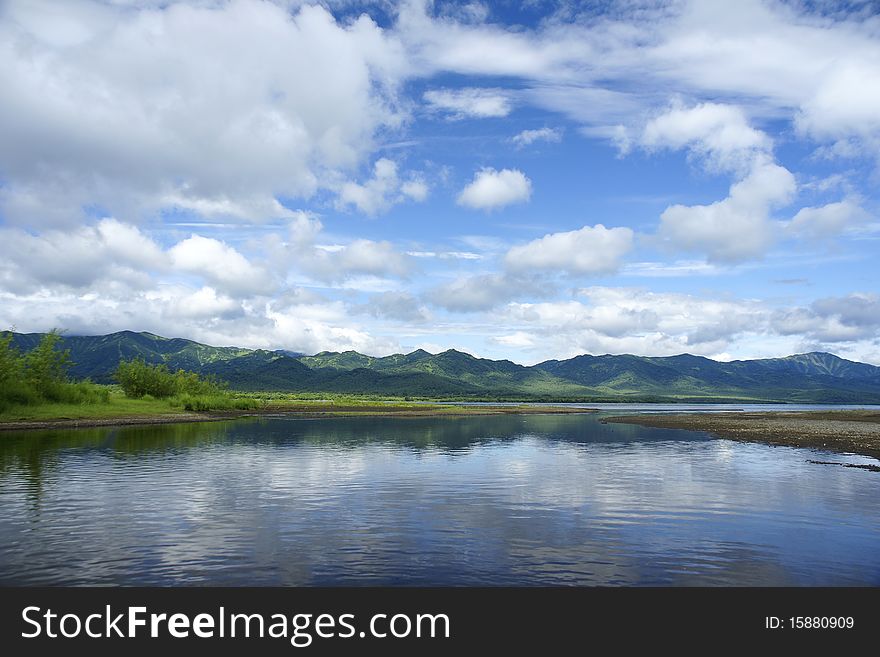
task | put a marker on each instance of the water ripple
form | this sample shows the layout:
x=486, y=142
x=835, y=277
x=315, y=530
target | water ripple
x=536, y=500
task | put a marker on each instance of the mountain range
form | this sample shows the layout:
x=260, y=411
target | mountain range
x=811, y=377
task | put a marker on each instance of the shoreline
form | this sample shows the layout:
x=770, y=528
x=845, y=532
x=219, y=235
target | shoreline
x=844, y=431
x=305, y=411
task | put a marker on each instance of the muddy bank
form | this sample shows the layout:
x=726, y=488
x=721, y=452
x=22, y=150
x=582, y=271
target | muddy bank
x=304, y=411
x=68, y=423
x=856, y=432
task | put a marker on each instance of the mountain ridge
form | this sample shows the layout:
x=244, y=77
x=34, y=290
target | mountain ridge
x=808, y=377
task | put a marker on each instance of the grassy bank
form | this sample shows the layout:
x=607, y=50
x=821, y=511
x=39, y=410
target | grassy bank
x=122, y=410
x=116, y=404
x=845, y=431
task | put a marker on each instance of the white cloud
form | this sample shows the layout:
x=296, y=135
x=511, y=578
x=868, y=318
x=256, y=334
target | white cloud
x=127, y=244
x=720, y=134
x=200, y=314
x=633, y=320
x=415, y=189
x=527, y=137
x=492, y=189
x=78, y=258
x=333, y=263
x=589, y=250
x=383, y=190
x=369, y=257
x=204, y=106
x=826, y=220
x=469, y=102
x=204, y=303
x=473, y=293
x=738, y=227
x=519, y=340
x=400, y=306
x=847, y=103
x=251, y=209
x=604, y=70
x=221, y=264
x=833, y=320
x=478, y=292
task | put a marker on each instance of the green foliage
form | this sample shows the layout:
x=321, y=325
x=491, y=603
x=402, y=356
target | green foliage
x=137, y=378
x=40, y=376
x=10, y=361
x=215, y=402
x=186, y=390
x=45, y=368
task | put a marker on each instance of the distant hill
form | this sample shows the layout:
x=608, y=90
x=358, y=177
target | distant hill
x=812, y=377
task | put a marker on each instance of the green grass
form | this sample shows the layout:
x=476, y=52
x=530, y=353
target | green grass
x=118, y=406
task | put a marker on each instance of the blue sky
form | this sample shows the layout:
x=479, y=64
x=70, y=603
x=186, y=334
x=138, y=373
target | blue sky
x=517, y=180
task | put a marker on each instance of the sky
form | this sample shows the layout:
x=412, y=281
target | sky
x=519, y=180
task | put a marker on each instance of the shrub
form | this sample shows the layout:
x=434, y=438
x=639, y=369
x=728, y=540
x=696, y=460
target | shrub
x=45, y=367
x=41, y=376
x=221, y=402
x=137, y=378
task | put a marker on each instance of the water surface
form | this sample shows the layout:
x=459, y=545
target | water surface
x=493, y=500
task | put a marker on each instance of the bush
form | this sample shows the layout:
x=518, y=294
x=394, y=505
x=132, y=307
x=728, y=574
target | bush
x=41, y=376
x=138, y=379
x=45, y=367
x=84, y=392
x=221, y=402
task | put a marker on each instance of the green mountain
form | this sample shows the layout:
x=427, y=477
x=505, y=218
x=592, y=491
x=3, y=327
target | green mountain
x=96, y=356
x=813, y=377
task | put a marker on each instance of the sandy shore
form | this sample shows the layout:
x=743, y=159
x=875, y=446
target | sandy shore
x=304, y=411
x=856, y=432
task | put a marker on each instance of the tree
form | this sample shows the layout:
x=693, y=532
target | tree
x=11, y=367
x=137, y=379
x=45, y=366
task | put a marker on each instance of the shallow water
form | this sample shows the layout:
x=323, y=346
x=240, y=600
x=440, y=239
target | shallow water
x=493, y=500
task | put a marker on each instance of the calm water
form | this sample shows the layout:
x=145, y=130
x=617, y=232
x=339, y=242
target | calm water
x=535, y=500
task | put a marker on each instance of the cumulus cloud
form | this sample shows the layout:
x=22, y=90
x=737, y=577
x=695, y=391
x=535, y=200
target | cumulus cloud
x=633, y=320
x=469, y=102
x=604, y=69
x=219, y=263
x=383, y=190
x=738, y=227
x=826, y=220
x=719, y=134
x=528, y=137
x=492, y=189
x=846, y=103
x=833, y=320
x=201, y=105
x=78, y=258
x=204, y=303
x=519, y=339
x=336, y=262
x=480, y=292
x=212, y=318
x=638, y=321
x=233, y=109
x=400, y=306
x=589, y=250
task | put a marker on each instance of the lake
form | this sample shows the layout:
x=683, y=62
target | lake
x=479, y=500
